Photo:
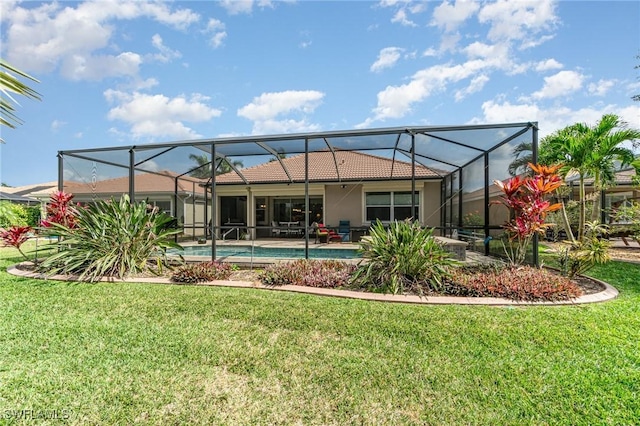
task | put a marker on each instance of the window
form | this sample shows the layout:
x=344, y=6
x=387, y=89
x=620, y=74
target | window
x=390, y=206
x=292, y=209
x=165, y=206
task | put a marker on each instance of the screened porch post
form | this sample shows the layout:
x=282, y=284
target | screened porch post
x=175, y=204
x=486, y=202
x=60, y=171
x=413, y=176
x=460, y=201
x=306, y=198
x=132, y=186
x=213, y=203
x=206, y=214
x=534, y=155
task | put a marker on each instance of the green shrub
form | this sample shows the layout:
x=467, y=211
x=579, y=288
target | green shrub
x=405, y=258
x=33, y=215
x=524, y=283
x=111, y=238
x=201, y=272
x=13, y=215
x=312, y=273
x=577, y=258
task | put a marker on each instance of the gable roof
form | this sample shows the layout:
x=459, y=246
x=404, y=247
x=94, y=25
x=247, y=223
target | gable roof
x=27, y=190
x=160, y=182
x=163, y=181
x=325, y=167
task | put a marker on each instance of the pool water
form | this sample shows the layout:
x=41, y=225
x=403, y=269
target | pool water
x=275, y=252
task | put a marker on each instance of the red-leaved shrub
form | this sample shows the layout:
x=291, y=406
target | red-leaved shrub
x=312, y=273
x=201, y=272
x=15, y=236
x=524, y=283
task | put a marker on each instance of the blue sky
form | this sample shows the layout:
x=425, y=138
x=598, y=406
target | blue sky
x=123, y=73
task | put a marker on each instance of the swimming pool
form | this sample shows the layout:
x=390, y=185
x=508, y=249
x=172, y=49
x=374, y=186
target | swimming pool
x=273, y=252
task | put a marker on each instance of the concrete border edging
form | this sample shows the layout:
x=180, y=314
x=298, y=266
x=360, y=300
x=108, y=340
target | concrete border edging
x=608, y=293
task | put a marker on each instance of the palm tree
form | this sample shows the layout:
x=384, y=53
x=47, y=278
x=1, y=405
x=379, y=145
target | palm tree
x=607, y=153
x=522, y=156
x=203, y=170
x=590, y=151
x=8, y=85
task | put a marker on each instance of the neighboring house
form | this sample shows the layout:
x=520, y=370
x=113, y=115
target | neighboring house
x=183, y=198
x=624, y=191
x=18, y=199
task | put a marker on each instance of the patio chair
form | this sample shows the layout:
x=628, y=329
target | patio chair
x=275, y=229
x=326, y=234
x=344, y=229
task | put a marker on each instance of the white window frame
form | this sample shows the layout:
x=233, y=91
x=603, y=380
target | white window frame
x=391, y=205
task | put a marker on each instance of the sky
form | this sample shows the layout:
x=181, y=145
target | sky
x=119, y=73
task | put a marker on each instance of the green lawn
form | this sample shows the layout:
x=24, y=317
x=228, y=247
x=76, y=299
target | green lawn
x=113, y=353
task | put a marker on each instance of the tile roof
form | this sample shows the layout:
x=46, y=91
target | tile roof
x=144, y=183
x=26, y=190
x=622, y=177
x=351, y=166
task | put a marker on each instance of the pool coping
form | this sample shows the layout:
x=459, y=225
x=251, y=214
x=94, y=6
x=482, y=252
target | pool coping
x=608, y=293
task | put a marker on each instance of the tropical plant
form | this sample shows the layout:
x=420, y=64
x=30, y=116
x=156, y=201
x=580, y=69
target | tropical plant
x=590, y=151
x=405, y=258
x=112, y=238
x=327, y=273
x=525, y=199
x=472, y=219
x=201, y=272
x=10, y=84
x=579, y=256
x=512, y=282
x=60, y=211
x=630, y=216
x=15, y=236
x=12, y=214
x=203, y=169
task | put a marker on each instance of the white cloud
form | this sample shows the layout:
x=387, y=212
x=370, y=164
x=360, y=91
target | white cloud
x=236, y=7
x=387, y=58
x=217, y=29
x=449, y=42
x=159, y=115
x=451, y=16
x=56, y=35
x=553, y=117
x=600, y=88
x=402, y=18
x=165, y=53
x=523, y=20
x=396, y=101
x=57, y=125
x=548, y=64
x=264, y=110
x=560, y=84
x=430, y=52
x=97, y=67
x=404, y=10
x=476, y=84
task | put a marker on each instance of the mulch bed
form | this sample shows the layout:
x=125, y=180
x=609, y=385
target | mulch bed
x=588, y=285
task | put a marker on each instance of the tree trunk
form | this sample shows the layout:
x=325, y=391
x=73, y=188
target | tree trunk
x=595, y=212
x=583, y=209
x=567, y=225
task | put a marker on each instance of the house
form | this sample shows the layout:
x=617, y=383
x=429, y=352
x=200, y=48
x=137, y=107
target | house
x=181, y=197
x=342, y=186
x=289, y=181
